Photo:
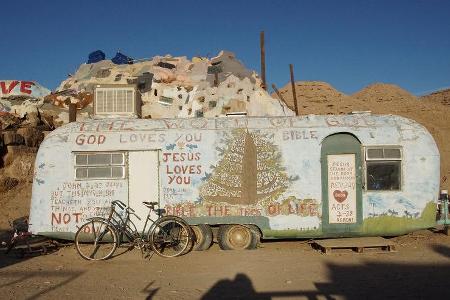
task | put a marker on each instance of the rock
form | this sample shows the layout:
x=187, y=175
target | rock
x=32, y=119
x=13, y=152
x=8, y=121
x=21, y=149
x=12, y=138
x=7, y=183
x=32, y=136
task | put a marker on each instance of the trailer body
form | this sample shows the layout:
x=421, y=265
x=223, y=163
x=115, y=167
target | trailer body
x=292, y=177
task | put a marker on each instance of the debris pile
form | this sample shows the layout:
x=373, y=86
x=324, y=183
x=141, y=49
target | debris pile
x=21, y=97
x=23, y=124
x=22, y=128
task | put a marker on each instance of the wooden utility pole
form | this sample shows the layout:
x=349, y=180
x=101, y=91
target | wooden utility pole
x=72, y=112
x=278, y=93
x=216, y=79
x=263, y=60
x=294, y=93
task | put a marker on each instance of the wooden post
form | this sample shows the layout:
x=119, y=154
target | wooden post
x=72, y=112
x=263, y=60
x=294, y=93
x=278, y=93
x=216, y=79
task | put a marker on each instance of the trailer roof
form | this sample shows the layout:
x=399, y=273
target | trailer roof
x=351, y=122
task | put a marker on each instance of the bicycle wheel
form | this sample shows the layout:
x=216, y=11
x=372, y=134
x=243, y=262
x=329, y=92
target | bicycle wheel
x=96, y=240
x=170, y=236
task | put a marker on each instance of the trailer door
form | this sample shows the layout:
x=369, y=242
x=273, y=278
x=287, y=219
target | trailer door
x=143, y=182
x=341, y=184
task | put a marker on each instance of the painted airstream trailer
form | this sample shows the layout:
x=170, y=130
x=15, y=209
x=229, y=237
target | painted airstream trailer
x=296, y=177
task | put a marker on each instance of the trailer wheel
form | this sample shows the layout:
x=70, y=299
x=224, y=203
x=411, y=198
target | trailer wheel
x=203, y=237
x=237, y=237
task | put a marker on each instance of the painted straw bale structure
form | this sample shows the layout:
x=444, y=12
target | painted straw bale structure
x=173, y=87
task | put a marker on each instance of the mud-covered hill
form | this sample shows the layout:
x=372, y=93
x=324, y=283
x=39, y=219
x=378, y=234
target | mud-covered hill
x=316, y=97
x=383, y=93
x=439, y=97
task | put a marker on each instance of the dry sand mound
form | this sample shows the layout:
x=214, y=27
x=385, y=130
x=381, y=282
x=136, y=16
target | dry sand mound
x=439, y=97
x=383, y=92
x=316, y=97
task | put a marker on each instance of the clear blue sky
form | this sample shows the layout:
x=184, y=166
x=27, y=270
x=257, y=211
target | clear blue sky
x=346, y=43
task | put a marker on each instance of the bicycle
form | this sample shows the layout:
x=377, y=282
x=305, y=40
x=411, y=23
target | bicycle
x=23, y=242
x=98, y=238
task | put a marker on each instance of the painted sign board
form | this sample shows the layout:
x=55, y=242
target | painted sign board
x=341, y=189
x=9, y=88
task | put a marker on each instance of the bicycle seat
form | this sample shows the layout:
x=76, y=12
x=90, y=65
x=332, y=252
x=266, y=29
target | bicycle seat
x=150, y=204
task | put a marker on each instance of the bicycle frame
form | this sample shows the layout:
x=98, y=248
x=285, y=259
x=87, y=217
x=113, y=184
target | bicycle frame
x=124, y=225
x=118, y=225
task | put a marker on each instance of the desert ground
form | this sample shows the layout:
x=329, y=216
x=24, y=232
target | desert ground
x=419, y=269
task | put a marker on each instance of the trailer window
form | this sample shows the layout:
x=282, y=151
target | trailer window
x=383, y=168
x=99, y=165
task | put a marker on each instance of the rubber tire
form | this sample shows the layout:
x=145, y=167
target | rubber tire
x=447, y=229
x=203, y=237
x=153, y=234
x=78, y=240
x=225, y=235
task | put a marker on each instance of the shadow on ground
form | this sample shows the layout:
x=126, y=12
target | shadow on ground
x=386, y=280
x=442, y=250
x=24, y=249
x=368, y=281
x=56, y=279
x=241, y=287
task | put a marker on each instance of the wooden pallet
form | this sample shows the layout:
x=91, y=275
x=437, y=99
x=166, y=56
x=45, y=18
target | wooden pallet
x=356, y=244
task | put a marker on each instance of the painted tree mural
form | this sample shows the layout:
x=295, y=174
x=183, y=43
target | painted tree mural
x=249, y=171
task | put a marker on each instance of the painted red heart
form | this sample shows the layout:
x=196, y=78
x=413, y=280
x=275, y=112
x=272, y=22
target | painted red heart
x=340, y=196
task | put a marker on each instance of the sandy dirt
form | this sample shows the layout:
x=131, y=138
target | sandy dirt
x=420, y=269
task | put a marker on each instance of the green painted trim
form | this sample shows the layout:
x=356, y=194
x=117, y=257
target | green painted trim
x=392, y=226
x=288, y=234
x=261, y=222
x=70, y=236
x=341, y=143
